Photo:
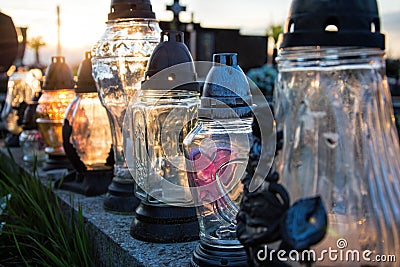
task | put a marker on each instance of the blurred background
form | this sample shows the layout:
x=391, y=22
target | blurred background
x=250, y=28
x=82, y=22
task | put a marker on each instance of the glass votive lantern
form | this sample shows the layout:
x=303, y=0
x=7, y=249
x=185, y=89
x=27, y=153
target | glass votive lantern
x=87, y=137
x=154, y=130
x=119, y=63
x=340, y=143
x=217, y=150
x=30, y=139
x=22, y=87
x=58, y=92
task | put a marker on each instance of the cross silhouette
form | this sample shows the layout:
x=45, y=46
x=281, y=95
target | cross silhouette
x=176, y=8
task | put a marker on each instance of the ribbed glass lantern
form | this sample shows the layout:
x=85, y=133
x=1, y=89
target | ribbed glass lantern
x=119, y=62
x=87, y=137
x=58, y=92
x=22, y=87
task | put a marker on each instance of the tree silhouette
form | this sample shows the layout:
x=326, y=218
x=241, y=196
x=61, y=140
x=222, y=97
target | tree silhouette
x=36, y=43
x=274, y=31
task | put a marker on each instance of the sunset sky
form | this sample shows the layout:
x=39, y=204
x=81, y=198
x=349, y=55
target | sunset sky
x=83, y=21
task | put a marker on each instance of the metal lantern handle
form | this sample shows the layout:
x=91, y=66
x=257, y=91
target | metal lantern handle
x=230, y=204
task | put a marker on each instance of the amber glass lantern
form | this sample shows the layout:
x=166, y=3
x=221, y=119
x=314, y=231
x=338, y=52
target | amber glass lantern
x=87, y=138
x=58, y=92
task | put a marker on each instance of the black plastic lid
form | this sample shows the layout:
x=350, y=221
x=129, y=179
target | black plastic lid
x=226, y=89
x=171, y=51
x=125, y=9
x=58, y=75
x=333, y=23
x=85, y=83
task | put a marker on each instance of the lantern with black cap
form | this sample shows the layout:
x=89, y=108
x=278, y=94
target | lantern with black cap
x=58, y=92
x=154, y=131
x=119, y=62
x=87, y=138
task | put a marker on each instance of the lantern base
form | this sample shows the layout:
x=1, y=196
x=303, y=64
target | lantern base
x=11, y=140
x=215, y=256
x=57, y=162
x=165, y=224
x=121, y=198
x=88, y=183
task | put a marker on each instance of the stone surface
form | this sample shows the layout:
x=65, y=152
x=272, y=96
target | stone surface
x=112, y=241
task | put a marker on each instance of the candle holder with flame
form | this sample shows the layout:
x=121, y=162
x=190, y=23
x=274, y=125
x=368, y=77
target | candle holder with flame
x=119, y=63
x=58, y=92
x=87, y=138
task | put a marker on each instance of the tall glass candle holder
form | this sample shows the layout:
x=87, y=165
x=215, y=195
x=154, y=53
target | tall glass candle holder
x=339, y=139
x=22, y=87
x=87, y=138
x=155, y=128
x=217, y=152
x=119, y=63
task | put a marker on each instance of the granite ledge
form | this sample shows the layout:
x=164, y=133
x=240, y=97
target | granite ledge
x=113, y=244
